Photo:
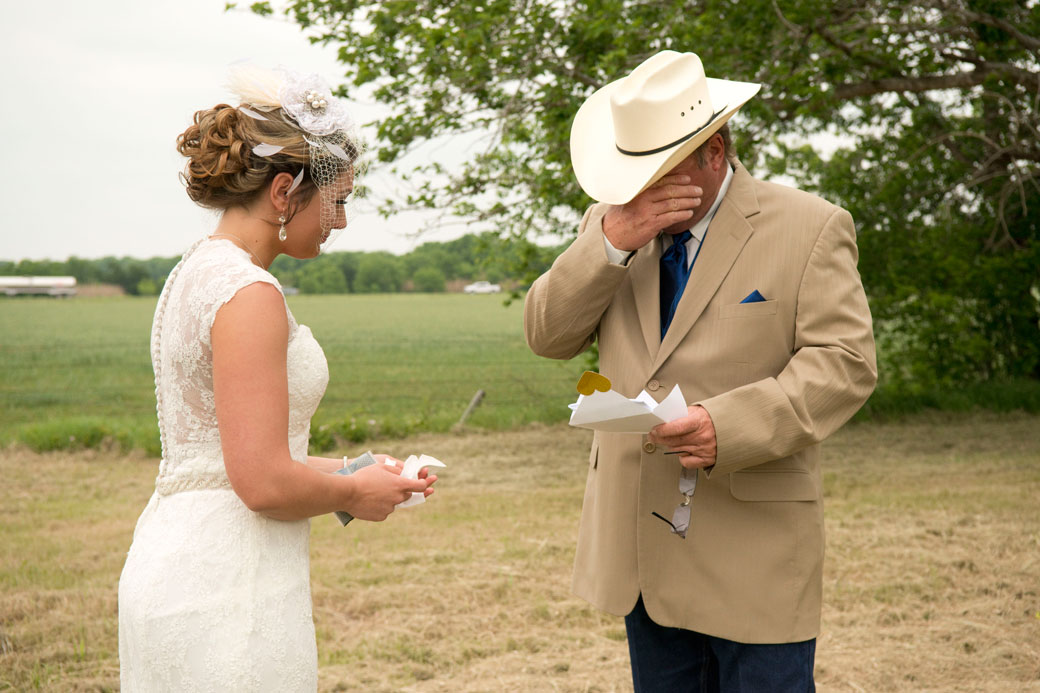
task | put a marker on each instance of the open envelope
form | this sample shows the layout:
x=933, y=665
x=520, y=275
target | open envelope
x=611, y=411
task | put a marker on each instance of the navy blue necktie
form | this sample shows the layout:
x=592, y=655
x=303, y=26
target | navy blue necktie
x=674, y=273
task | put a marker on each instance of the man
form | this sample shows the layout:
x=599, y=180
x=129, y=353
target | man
x=707, y=533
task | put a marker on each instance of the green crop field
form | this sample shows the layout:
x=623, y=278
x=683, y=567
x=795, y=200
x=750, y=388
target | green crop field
x=75, y=371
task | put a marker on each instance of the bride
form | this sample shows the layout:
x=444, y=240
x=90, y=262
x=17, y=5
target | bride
x=215, y=593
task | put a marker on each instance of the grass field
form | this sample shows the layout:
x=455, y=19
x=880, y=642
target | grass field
x=934, y=533
x=80, y=368
x=930, y=579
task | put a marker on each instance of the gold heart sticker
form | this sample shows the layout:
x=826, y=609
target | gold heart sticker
x=591, y=382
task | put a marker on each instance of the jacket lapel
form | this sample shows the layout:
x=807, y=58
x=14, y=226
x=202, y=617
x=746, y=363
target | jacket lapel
x=726, y=237
x=645, y=271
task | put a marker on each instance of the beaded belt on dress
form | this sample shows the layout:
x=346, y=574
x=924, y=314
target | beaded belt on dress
x=167, y=485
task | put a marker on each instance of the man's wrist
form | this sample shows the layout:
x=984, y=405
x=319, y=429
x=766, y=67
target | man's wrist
x=615, y=256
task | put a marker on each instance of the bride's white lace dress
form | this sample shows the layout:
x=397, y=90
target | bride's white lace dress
x=213, y=596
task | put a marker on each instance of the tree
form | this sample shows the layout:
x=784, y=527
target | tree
x=85, y=271
x=127, y=272
x=429, y=280
x=378, y=273
x=323, y=277
x=935, y=102
x=348, y=264
x=147, y=287
x=39, y=268
x=431, y=255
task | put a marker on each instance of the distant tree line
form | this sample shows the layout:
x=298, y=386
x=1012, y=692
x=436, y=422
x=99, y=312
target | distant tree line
x=430, y=268
x=427, y=269
x=136, y=277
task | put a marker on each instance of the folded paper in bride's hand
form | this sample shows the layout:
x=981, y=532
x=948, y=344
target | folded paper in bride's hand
x=602, y=409
x=412, y=466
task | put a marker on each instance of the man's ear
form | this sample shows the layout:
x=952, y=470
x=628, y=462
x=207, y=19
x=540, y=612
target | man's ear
x=716, y=151
x=278, y=191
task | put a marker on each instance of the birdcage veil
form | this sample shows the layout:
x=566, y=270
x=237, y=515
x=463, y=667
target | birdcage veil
x=305, y=102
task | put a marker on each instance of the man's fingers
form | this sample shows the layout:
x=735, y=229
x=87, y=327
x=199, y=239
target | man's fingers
x=664, y=192
x=694, y=461
x=674, y=429
x=674, y=204
x=665, y=181
x=695, y=421
x=687, y=441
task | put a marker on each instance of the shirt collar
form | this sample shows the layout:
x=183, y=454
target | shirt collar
x=701, y=227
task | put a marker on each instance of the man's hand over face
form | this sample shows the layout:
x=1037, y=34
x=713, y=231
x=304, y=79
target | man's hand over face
x=669, y=201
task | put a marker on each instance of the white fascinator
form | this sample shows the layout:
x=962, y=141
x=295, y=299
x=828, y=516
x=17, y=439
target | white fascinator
x=304, y=102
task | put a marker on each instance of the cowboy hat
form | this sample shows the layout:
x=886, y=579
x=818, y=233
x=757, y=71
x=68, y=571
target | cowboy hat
x=636, y=129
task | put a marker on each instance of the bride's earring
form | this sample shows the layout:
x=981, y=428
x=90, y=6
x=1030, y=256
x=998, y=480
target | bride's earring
x=281, y=232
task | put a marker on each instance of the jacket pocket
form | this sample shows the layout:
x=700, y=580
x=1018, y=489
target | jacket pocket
x=780, y=485
x=747, y=310
x=594, y=455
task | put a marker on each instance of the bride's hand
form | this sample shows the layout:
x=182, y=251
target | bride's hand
x=424, y=473
x=379, y=487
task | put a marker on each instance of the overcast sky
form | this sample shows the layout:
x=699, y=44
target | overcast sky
x=95, y=94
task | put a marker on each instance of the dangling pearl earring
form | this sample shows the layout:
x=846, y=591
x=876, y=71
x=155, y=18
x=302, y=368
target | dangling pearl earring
x=281, y=232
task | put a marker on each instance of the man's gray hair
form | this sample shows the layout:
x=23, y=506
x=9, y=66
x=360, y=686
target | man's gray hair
x=727, y=141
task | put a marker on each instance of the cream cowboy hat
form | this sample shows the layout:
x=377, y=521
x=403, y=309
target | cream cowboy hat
x=634, y=130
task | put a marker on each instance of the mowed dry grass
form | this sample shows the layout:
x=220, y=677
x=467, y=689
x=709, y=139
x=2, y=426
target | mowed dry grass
x=931, y=579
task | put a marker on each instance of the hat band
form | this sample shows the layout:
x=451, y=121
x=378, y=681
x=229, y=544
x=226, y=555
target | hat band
x=677, y=142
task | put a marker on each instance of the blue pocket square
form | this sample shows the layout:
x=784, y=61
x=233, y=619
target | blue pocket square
x=754, y=297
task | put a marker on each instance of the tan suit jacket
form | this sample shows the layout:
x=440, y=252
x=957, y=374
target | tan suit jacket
x=777, y=377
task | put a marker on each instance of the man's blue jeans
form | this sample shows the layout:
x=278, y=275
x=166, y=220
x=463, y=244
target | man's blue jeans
x=673, y=660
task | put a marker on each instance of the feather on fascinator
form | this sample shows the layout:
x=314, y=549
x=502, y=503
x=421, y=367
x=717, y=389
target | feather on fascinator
x=256, y=86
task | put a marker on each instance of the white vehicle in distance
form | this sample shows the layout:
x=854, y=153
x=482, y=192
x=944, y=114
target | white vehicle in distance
x=482, y=287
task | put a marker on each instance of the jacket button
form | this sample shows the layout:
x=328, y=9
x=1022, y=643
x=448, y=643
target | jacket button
x=649, y=447
x=653, y=386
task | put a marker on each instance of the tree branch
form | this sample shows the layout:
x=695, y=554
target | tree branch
x=959, y=80
x=833, y=40
x=1027, y=41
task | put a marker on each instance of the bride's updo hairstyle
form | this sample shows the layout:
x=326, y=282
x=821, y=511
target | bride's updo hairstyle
x=222, y=170
x=287, y=123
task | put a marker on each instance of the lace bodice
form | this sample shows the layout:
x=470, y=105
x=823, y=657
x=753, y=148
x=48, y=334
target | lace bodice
x=208, y=276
